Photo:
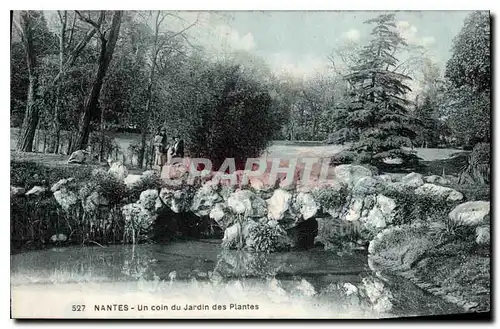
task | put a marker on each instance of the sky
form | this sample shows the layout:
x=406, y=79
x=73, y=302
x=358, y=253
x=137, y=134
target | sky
x=298, y=42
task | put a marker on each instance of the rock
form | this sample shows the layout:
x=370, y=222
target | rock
x=132, y=180
x=138, y=217
x=238, y=233
x=248, y=203
x=36, y=190
x=16, y=191
x=384, y=178
x=413, y=180
x=205, y=199
x=66, y=198
x=396, y=186
x=118, y=170
x=278, y=204
x=349, y=288
x=355, y=209
x=483, y=234
x=381, y=214
x=148, y=199
x=222, y=215
x=436, y=179
x=94, y=201
x=59, y=238
x=307, y=206
x=80, y=157
x=470, y=213
x=366, y=185
x=306, y=288
x=61, y=183
x=350, y=174
x=176, y=200
x=440, y=192
x=174, y=171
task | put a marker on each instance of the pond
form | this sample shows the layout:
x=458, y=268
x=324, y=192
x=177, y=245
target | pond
x=199, y=279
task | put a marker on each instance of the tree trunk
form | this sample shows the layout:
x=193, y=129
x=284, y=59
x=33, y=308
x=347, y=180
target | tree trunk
x=56, y=126
x=142, y=150
x=30, y=122
x=101, y=139
x=149, y=92
x=90, y=105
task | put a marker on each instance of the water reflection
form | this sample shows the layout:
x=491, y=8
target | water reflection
x=323, y=278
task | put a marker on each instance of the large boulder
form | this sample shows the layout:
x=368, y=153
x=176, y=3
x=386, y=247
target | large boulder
x=57, y=186
x=381, y=214
x=366, y=185
x=177, y=200
x=176, y=171
x=278, y=204
x=36, y=190
x=118, y=170
x=439, y=192
x=413, y=180
x=131, y=180
x=222, y=215
x=93, y=201
x=66, y=198
x=138, y=218
x=436, y=179
x=470, y=213
x=148, y=199
x=351, y=174
x=205, y=199
x=238, y=234
x=80, y=157
x=307, y=206
x=248, y=203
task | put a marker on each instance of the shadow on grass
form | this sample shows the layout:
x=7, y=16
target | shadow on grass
x=451, y=166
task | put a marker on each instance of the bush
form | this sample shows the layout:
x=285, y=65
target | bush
x=28, y=174
x=331, y=198
x=236, y=120
x=478, y=168
x=268, y=238
x=147, y=182
x=412, y=208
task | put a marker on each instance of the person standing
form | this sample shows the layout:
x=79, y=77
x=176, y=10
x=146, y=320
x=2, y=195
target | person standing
x=178, y=147
x=160, y=143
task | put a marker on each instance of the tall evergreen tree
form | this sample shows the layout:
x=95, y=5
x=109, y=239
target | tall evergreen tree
x=377, y=121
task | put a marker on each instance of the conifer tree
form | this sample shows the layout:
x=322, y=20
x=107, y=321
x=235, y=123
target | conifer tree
x=377, y=122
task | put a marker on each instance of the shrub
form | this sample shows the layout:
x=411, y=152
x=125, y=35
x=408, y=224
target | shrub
x=331, y=198
x=268, y=238
x=28, y=174
x=147, y=182
x=237, y=119
x=478, y=168
x=412, y=208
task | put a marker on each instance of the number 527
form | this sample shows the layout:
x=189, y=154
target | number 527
x=78, y=308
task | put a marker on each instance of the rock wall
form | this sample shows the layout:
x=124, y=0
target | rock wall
x=349, y=210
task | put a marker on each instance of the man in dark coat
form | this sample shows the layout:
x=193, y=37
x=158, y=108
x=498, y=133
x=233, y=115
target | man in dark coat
x=178, y=148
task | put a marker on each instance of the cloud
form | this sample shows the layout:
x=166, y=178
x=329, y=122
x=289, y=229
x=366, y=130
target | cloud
x=302, y=67
x=352, y=35
x=410, y=33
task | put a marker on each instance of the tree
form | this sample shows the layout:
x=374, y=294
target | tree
x=108, y=42
x=469, y=75
x=376, y=120
x=32, y=29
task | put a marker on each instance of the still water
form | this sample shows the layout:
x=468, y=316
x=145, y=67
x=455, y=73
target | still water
x=199, y=279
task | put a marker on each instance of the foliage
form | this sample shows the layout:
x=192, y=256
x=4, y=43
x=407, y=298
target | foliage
x=28, y=174
x=413, y=208
x=331, y=198
x=219, y=126
x=469, y=74
x=268, y=238
x=478, y=168
x=377, y=120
